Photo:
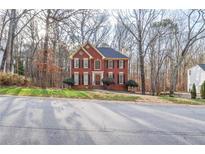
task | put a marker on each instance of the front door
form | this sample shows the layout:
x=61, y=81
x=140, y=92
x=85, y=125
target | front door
x=97, y=79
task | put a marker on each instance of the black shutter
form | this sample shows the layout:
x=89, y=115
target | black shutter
x=113, y=64
x=118, y=63
x=113, y=75
x=88, y=63
x=73, y=76
x=81, y=64
x=124, y=63
x=118, y=78
x=106, y=64
x=72, y=63
x=83, y=79
x=88, y=79
x=124, y=79
x=79, y=79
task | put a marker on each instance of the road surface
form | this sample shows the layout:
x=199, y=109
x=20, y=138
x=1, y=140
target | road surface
x=30, y=120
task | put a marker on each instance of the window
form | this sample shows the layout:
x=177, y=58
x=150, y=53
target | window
x=110, y=64
x=97, y=64
x=110, y=74
x=121, y=78
x=121, y=64
x=76, y=78
x=85, y=78
x=85, y=62
x=76, y=62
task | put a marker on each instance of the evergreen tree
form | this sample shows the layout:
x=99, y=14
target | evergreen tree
x=202, y=91
x=193, y=91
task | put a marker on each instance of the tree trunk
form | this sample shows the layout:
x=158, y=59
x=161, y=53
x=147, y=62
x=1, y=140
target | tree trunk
x=8, y=54
x=45, y=52
x=142, y=73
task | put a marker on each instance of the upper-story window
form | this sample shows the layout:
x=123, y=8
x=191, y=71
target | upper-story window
x=76, y=62
x=110, y=64
x=97, y=64
x=85, y=63
x=121, y=64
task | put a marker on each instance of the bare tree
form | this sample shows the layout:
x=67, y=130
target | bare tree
x=138, y=23
x=192, y=31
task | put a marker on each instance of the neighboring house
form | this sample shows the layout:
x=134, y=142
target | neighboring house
x=196, y=75
x=1, y=56
x=89, y=65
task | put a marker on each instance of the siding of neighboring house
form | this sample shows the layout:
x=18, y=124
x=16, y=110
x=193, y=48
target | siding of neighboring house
x=1, y=56
x=196, y=75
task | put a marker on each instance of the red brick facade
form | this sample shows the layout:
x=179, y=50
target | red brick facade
x=91, y=77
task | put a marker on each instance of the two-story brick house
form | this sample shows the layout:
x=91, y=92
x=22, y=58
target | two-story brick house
x=89, y=65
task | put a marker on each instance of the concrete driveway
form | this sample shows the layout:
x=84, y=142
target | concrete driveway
x=29, y=120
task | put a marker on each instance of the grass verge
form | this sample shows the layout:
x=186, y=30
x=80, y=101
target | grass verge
x=65, y=93
x=184, y=100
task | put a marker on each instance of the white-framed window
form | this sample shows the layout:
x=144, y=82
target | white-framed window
x=85, y=63
x=76, y=78
x=121, y=64
x=121, y=78
x=110, y=64
x=97, y=64
x=85, y=78
x=110, y=74
x=76, y=62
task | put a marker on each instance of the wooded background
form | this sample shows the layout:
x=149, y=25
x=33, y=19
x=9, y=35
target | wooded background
x=161, y=44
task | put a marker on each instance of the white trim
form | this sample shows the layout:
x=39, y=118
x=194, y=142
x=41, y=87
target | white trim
x=76, y=73
x=76, y=51
x=110, y=60
x=103, y=57
x=84, y=63
x=94, y=64
x=121, y=73
x=110, y=73
x=93, y=76
x=78, y=63
x=85, y=73
x=122, y=64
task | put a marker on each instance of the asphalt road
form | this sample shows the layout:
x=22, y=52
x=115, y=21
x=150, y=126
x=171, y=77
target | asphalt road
x=29, y=120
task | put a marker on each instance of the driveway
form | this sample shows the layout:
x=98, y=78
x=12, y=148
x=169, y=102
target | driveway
x=30, y=120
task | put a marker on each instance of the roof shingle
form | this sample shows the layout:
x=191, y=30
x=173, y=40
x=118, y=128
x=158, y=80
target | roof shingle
x=110, y=53
x=202, y=66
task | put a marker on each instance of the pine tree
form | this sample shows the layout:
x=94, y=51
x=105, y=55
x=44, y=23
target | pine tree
x=202, y=91
x=193, y=92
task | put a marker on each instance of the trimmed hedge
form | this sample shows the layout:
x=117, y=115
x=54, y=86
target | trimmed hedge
x=131, y=83
x=108, y=81
x=69, y=81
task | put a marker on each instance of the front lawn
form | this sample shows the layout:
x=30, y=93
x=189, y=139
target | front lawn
x=65, y=93
x=184, y=100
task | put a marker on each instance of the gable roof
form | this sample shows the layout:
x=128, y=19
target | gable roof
x=202, y=66
x=71, y=56
x=110, y=53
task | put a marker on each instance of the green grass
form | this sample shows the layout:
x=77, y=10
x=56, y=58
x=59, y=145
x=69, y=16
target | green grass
x=184, y=100
x=65, y=93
